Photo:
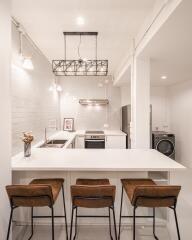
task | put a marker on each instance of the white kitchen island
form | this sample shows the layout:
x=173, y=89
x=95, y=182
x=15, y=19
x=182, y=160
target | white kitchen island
x=89, y=163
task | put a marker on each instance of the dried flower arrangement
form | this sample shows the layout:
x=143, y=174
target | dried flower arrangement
x=27, y=137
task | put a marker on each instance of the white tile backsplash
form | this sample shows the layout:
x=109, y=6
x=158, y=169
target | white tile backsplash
x=88, y=117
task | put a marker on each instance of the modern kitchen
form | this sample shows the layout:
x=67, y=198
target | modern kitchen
x=96, y=119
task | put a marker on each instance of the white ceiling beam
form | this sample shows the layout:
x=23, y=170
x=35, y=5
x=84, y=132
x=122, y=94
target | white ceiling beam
x=159, y=16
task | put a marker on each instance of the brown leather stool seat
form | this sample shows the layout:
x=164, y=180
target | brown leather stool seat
x=38, y=193
x=92, y=193
x=55, y=185
x=146, y=193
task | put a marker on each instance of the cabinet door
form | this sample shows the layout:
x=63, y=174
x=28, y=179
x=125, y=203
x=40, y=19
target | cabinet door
x=115, y=142
x=80, y=142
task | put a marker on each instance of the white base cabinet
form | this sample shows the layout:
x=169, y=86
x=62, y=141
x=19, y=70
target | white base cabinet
x=80, y=142
x=118, y=142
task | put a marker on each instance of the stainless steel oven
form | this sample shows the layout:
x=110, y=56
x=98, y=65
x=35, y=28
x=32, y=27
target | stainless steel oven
x=94, y=139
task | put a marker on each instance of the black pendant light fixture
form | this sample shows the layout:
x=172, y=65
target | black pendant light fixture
x=80, y=67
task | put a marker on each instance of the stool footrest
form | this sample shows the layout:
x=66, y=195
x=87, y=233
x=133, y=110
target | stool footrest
x=137, y=216
x=48, y=216
x=91, y=216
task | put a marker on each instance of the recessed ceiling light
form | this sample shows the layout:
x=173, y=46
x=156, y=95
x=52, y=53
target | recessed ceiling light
x=80, y=21
x=164, y=77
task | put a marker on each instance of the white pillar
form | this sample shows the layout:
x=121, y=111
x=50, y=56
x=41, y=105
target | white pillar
x=5, y=110
x=140, y=103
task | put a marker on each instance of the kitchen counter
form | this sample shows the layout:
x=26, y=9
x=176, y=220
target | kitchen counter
x=63, y=159
x=71, y=164
x=70, y=136
x=94, y=160
x=114, y=133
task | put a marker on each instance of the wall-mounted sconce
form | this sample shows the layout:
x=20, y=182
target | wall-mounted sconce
x=55, y=87
x=26, y=61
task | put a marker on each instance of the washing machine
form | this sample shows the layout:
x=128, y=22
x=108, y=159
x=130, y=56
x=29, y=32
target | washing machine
x=165, y=143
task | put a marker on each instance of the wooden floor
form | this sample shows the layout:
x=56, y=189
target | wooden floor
x=88, y=233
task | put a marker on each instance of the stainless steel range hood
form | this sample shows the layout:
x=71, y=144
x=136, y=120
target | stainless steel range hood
x=94, y=102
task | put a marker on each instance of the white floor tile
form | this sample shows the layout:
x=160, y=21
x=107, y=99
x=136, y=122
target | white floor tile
x=88, y=233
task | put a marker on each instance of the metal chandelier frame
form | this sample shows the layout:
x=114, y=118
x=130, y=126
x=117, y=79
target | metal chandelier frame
x=80, y=67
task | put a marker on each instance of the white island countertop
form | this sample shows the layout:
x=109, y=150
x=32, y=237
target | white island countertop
x=46, y=159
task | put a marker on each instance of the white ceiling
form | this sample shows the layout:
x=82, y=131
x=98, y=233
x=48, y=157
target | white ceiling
x=171, y=48
x=117, y=22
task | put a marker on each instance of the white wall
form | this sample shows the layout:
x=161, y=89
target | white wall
x=125, y=95
x=95, y=117
x=33, y=105
x=5, y=108
x=160, y=108
x=180, y=100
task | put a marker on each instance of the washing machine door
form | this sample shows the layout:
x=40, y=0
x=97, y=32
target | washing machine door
x=166, y=147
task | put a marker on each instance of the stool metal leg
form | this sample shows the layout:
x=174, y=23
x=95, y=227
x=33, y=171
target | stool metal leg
x=71, y=227
x=134, y=211
x=110, y=224
x=154, y=225
x=75, y=224
x=114, y=222
x=121, y=206
x=10, y=220
x=65, y=213
x=52, y=217
x=31, y=224
x=176, y=221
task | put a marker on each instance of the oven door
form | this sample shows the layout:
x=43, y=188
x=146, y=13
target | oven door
x=94, y=143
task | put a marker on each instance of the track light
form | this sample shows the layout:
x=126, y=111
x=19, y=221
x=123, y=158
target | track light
x=27, y=63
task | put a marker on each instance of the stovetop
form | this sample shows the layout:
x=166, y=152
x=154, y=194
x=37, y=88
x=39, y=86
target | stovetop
x=94, y=132
x=97, y=135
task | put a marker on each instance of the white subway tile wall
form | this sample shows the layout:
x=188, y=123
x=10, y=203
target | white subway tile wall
x=90, y=117
x=33, y=105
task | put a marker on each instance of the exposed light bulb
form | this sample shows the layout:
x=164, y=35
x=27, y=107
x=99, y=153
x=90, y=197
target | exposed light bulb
x=28, y=64
x=164, y=77
x=81, y=69
x=59, y=88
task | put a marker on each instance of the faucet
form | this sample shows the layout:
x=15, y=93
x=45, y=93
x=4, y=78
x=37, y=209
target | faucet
x=45, y=135
x=45, y=138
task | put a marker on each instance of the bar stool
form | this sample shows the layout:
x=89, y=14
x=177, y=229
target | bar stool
x=39, y=193
x=93, y=193
x=145, y=193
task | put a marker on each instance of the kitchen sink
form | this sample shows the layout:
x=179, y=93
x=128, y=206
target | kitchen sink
x=54, y=144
